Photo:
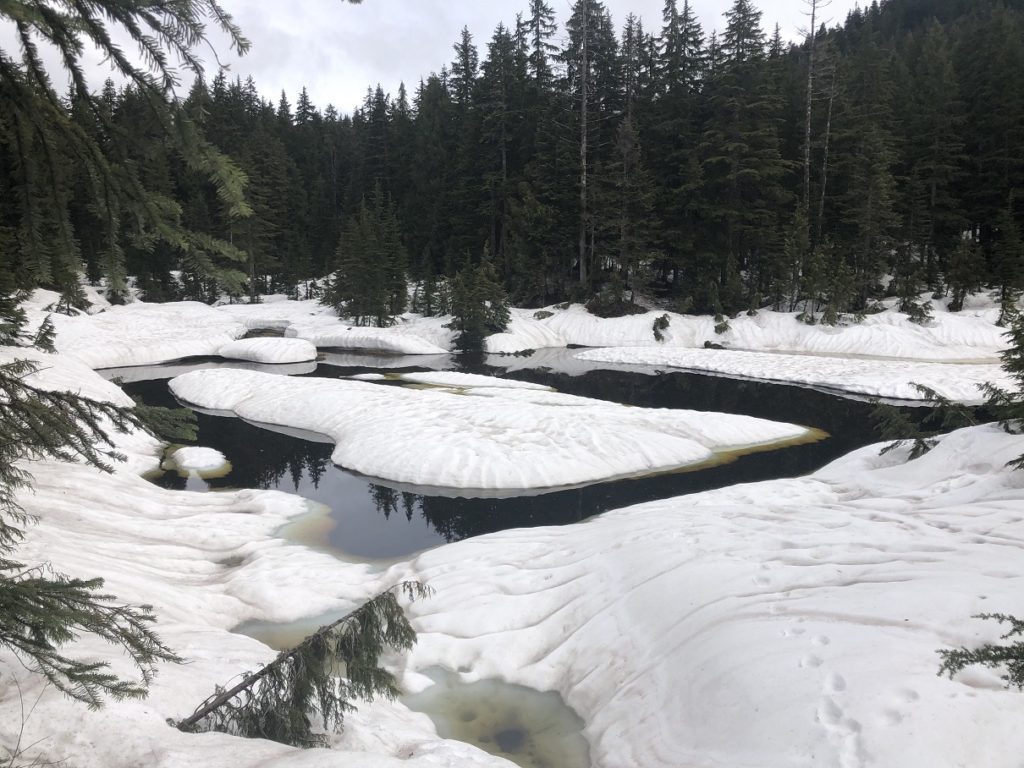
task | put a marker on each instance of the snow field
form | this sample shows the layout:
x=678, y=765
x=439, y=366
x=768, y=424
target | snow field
x=969, y=335
x=271, y=351
x=785, y=623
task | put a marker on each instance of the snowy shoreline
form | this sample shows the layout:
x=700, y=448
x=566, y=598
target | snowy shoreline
x=882, y=356
x=787, y=622
x=846, y=582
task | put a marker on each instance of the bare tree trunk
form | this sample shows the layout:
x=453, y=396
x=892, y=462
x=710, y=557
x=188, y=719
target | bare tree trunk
x=824, y=159
x=812, y=38
x=584, y=77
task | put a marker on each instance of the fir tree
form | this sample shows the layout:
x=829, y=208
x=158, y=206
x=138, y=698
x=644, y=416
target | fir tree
x=38, y=133
x=370, y=281
x=478, y=305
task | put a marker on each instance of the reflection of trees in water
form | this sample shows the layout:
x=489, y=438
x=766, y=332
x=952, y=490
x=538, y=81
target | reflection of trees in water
x=455, y=519
x=387, y=501
x=276, y=462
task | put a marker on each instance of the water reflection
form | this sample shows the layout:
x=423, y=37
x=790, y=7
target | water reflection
x=377, y=520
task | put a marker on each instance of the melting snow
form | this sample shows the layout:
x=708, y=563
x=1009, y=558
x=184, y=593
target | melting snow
x=481, y=438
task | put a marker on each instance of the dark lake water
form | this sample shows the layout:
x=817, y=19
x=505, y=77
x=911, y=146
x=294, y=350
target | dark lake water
x=372, y=520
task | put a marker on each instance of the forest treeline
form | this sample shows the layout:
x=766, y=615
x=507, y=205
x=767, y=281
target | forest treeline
x=722, y=171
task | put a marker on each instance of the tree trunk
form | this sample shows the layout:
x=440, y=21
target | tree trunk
x=824, y=159
x=584, y=72
x=810, y=102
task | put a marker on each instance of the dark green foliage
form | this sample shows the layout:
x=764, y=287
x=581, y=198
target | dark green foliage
x=671, y=158
x=316, y=680
x=611, y=301
x=1009, y=657
x=74, y=173
x=1007, y=405
x=944, y=415
x=41, y=611
x=964, y=272
x=170, y=424
x=478, y=307
x=370, y=282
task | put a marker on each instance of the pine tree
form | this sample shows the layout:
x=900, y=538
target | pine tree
x=479, y=305
x=1008, y=263
x=965, y=269
x=37, y=131
x=370, y=281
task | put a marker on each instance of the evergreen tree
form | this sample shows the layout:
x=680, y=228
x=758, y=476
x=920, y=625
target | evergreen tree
x=478, y=305
x=370, y=281
x=37, y=134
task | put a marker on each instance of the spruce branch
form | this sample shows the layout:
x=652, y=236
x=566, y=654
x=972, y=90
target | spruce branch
x=1009, y=657
x=320, y=676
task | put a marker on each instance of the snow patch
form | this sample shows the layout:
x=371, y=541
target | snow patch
x=480, y=438
x=204, y=461
x=269, y=350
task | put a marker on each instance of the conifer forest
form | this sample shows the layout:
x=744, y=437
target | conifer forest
x=721, y=170
x=619, y=391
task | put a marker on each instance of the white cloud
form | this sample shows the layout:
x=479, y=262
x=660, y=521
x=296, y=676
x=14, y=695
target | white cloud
x=337, y=50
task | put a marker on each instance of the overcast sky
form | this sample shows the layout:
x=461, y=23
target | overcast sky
x=336, y=49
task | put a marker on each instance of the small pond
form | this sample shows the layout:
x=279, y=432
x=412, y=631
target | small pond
x=530, y=728
x=373, y=520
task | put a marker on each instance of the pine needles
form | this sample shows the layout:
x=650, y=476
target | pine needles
x=1010, y=657
x=41, y=611
x=319, y=677
x=944, y=416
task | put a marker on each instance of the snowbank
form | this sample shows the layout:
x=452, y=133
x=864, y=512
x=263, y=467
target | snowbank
x=969, y=335
x=455, y=380
x=145, y=334
x=204, y=461
x=877, y=378
x=272, y=351
x=394, y=340
x=785, y=623
x=480, y=438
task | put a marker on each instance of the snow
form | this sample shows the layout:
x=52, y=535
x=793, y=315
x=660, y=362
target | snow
x=971, y=335
x=879, y=378
x=785, y=623
x=880, y=356
x=454, y=380
x=480, y=438
x=199, y=459
x=145, y=334
x=793, y=622
x=269, y=350
x=397, y=341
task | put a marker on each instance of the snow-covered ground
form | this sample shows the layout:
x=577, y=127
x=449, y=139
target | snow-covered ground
x=269, y=351
x=953, y=353
x=480, y=433
x=781, y=624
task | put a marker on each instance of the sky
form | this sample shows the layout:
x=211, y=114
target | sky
x=336, y=49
